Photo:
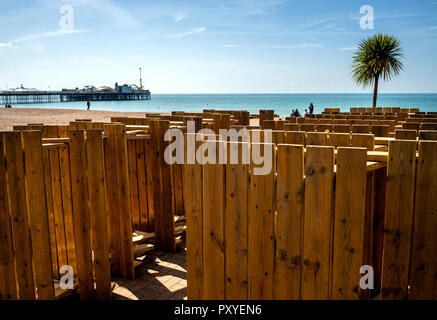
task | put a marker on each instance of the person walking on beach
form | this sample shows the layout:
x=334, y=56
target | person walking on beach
x=88, y=104
x=311, y=108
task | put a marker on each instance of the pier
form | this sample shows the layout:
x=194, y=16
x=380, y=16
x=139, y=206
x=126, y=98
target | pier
x=27, y=97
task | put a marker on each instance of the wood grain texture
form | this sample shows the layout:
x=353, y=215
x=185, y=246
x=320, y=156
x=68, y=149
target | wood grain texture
x=398, y=219
x=319, y=178
x=289, y=222
x=348, y=242
x=424, y=253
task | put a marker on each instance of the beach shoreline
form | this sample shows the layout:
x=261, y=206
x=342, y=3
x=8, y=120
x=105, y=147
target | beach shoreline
x=23, y=116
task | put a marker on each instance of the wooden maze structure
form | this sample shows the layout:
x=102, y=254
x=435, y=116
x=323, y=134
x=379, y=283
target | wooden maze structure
x=343, y=192
x=335, y=200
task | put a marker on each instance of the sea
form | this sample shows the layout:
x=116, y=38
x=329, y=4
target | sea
x=281, y=103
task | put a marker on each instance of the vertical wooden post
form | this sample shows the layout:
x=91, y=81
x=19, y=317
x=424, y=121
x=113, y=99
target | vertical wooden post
x=149, y=185
x=424, y=253
x=236, y=224
x=8, y=280
x=57, y=200
x=133, y=185
x=64, y=165
x=81, y=213
x=213, y=227
x=289, y=222
x=15, y=177
x=398, y=219
x=193, y=193
x=319, y=178
x=121, y=215
x=142, y=184
x=50, y=208
x=379, y=195
x=348, y=242
x=112, y=198
x=37, y=209
x=261, y=230
x=162, y=190
x=98, y=214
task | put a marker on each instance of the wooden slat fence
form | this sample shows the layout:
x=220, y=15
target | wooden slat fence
x=305, y=230
x=39, y=193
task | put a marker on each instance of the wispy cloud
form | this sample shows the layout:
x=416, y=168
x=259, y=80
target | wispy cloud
x=319, y=22
x=432, y=28
x=50, y=34
x=179, y=17
x=189, y=33
x=292, y=46
x=38, y=36
x=348, y=49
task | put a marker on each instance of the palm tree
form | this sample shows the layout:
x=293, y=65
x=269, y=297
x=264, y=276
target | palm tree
x=377, y=56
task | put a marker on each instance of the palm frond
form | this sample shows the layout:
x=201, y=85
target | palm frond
x=377, y=56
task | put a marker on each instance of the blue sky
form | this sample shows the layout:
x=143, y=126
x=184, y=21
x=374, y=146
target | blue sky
x=224, y=46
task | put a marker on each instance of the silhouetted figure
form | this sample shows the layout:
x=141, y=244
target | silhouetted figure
x=88, y=104
x=311, y=108
x=296, y=113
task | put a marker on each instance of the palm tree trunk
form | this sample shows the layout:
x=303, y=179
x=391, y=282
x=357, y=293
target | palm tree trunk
x=375, y=91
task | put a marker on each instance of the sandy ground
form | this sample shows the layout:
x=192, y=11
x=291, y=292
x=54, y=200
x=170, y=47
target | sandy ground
x=24, y=116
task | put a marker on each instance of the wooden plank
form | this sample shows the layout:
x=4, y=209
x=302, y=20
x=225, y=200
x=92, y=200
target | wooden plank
x=193, y=199
x=289, y=222
x=261, y=229
x=178, y=189
x=295, y=137
x=317, y=138
x=125, y=213
x=213, y=228
x=348, y=242
x=37, y=210
x=57, y=201
x=378, y=198
x=81, y=213
x=64, y=166
x=363, y=140
x=406, y=134
x=15, y=178
x=424, y=252
x=149, y=184
x=368, y=223
x=133, y=184
x=50, y=208
x=98, y=214
x=162, y=192
x=398, y=219
x=339, y=140
x=319, y=176
x=8, y=281
x=112, y=198
x=427, y=135
x=142, y=185
x=236, y=224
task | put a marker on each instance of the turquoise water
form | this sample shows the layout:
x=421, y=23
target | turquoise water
x=281, y=103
